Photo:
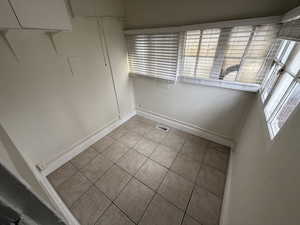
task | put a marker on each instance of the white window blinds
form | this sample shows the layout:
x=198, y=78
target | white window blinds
x=231, y=54
x=154, y=55
x=199, y=52
x=227, y=56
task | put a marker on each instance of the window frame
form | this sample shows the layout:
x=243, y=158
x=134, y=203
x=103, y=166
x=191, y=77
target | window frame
x=284, y=94
x=223, y=53
x=249, y=87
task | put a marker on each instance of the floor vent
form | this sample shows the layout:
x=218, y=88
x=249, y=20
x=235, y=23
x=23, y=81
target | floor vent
x=162, y=128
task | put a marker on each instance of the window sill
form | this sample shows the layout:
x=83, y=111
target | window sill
x=152, y=77
x=222, y=84
x=208, y=82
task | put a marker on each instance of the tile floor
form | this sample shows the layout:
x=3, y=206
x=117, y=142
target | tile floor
x=139, y=174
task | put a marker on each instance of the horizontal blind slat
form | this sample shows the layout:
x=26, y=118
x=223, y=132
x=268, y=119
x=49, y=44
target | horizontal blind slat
x=153, y=54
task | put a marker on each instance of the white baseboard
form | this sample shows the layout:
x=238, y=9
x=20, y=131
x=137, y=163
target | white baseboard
x=51, y=166
x=42, y=172
x=226, y=196
x=55, y=199
x=189, y=128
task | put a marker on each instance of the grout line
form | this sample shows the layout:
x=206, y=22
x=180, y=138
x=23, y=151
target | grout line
x=98, y=219
x=195, y=183
x=114, y=163
x=124, y=213
x=157, y=189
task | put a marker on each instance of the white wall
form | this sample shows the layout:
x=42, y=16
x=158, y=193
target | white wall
x=213, y=109
x=117, y=52
x=51, y=101
x=264, y=175
x=145, y=13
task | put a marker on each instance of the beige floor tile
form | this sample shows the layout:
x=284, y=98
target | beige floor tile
x=101, y=145
x=132, y=161
x=143, y=128
x=176, y=189
x=146, y=146
x=113, y=181
x=189, y=221
x=138, y=126
x=193, y=139
x=174, y=141
x=151, y=174
x=217, y=159
x=114, y=216
x=96, y=168
x=122, y=173
x=164, y=155
x=130, y=139
x=72, y=189
x=134, y=199
x=156, y=135
x=84, y=158
x=90, y=206
x=212, y=179
x=144, y=120
x=60, y=175
x=186, y=167
x=219, y=147
x=161, y=212
x=179, y=133
x=115, y=151
x=193, y=151
x=118, y=132
x=204, y=206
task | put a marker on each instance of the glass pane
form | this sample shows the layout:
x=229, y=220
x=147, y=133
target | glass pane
x=281, y=49
x=191, y=47
x=287, y=108
x=204, y=66
x=288, y=47
x=280, y=89
x=293, y=62
x=262, y=40
x=192, y=43
x=272, y=77
x=207, y=51
x=249, y=70
x=234, y=51
x=209, y=42
x=230, y=68
x=188, y=67
x=238, y=40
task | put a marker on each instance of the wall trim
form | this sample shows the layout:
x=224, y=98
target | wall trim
x=49, y=167
x=226, y=195
x=291, y=15
x=187, y=127
x=221, y=24
x=56, y=201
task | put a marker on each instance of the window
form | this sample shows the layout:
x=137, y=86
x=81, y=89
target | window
x=154, y=55
x=281, y=89
x=199, y=52
x=285, y=110
x=229, y=56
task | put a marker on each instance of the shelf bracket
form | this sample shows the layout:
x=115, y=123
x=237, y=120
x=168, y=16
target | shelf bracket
x=3, y=35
